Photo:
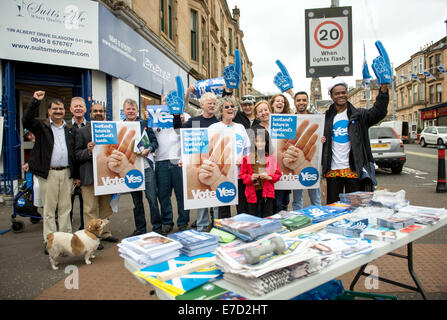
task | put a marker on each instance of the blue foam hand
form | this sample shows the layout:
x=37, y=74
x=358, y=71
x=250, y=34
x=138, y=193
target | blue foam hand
x=282, y=79
x=382, y=65
x=232, y=73
x=175, y=99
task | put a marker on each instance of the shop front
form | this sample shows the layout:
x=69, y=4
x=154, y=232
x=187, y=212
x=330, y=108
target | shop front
x=70, y=50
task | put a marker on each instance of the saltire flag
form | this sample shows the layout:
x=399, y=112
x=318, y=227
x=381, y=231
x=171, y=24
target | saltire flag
x=414, y=76
x=365, y=70
x=429, y=75
x=179, y=285
x=441, y=69
x=404, y=77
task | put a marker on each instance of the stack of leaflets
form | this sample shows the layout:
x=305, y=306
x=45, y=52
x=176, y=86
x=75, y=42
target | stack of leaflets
x=379, y=233
x=230, y=258
x=181, y=284
x=357, y=199
x=423, y=215
x=195, y=242
x=292, y=220
x=393, y=200
x=274, y=279
x=222, y=236
x=149, y=249
x=322, y=213
x=348, y=227
x=341, y=246
x=248, y=227
x=372, y=213
x=396, y=221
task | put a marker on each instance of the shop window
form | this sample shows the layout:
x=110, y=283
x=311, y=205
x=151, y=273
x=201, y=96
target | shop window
x=147, y=99
x=167, y=18
x=204, y=50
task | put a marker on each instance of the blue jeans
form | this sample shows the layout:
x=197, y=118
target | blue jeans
x=314, y=195
x=282, y=199
x=151, y=196
x=203, y=219
x=169, y=176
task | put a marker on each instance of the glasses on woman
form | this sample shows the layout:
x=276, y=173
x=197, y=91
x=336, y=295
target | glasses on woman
x=228, y=107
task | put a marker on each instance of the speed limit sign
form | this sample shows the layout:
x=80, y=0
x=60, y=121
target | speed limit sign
x=328, y=42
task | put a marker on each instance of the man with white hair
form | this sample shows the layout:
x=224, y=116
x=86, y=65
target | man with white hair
x=347, y=150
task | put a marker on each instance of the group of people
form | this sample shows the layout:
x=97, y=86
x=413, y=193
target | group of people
x=61, y=158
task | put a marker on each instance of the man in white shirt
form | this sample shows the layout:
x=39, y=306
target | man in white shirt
x=169, y=176
x=347, y=149
x=52, y=160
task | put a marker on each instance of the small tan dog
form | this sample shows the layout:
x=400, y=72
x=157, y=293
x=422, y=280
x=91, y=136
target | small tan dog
x=82, y=242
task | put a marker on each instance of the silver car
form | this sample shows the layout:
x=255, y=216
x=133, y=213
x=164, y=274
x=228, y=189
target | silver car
x=387, y=148
x=434, y=135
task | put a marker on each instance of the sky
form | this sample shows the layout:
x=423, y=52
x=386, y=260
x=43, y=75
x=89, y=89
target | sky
x=276, y=30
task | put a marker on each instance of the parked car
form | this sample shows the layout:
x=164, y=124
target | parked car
x=387, y=148
x=434, y=135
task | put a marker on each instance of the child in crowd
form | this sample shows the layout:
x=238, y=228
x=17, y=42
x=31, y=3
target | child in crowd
x=259, y=171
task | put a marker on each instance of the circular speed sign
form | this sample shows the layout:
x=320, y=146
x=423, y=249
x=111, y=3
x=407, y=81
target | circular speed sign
x=328, y=34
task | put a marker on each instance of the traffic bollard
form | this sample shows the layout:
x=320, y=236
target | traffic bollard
x=441, y=187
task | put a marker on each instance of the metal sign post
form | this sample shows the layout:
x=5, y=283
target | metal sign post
x=328, y=42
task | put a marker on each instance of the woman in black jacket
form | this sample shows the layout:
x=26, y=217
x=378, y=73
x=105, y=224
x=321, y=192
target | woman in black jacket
x=347, y=151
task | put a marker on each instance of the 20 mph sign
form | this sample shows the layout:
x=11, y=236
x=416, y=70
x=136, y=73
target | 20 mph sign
x=328, y=42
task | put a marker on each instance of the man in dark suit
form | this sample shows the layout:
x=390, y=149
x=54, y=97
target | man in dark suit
x=94, y=206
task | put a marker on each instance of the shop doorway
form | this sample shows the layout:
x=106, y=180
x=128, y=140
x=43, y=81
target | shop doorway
x=24, y=94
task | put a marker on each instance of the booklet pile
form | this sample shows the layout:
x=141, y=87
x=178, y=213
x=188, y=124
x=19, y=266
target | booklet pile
x=357, y=199
x=195, y=242
x=322, y=213
x=271, y=269
x=148, y=249
x=248, y=227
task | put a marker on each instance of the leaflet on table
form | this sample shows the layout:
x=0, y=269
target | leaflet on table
x=379, y=233
x=151, y=244
x=248, y=227
x=341, y=246
x=348, y=227
x=193, y=239
x=116, y=168
x=144, y=260
x=303, y=133
x=179, y=285
x=209, y=168
x=322, y=213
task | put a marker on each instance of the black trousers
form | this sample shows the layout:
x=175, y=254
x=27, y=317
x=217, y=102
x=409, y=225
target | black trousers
x=338, y=185
x=77, y=192
x=263, y=208
x=241, y=207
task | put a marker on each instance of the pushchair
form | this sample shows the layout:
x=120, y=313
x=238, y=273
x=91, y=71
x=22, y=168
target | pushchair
x=23, y=205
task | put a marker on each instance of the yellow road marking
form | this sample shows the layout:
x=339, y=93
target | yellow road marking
x=422, y=154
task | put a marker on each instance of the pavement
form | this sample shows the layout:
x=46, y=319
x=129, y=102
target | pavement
x=26, y=273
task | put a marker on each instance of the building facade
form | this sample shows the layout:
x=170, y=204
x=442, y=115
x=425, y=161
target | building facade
x=106, y=51
x=421, y=86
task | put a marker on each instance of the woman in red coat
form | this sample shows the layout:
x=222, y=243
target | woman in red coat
x=259, y=172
